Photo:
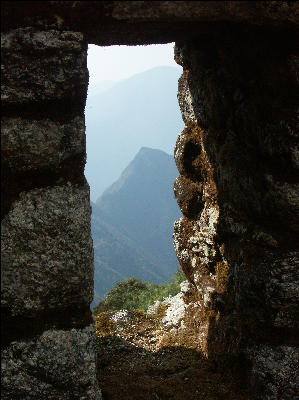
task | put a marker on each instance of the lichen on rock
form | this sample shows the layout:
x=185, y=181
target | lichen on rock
x=238, y=190
x=34, y=369
x=40, y=236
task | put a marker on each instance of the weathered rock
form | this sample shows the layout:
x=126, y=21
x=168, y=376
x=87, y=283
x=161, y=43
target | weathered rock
x=58, y=364
x=240, y=251
x=142, y=356
x=185, y=99
x=188, y=195
x=42, y=66
x=274, y=372
x=139, y=22
x=46, y=250
x=175, y=311
x=282, y=291
x=28, y=145
x=238, y=186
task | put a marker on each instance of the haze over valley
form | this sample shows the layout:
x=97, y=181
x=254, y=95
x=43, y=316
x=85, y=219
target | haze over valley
x=131, y=128
x=124, y=116
x=132, y=223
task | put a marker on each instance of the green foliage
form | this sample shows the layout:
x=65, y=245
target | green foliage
x=133, y=294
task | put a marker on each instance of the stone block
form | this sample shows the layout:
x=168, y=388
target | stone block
x=57, y=365
x=36, y=144
x=282, y=200
x=42, y=66
x=282, y=290
x=274, y=372
x=47, y=254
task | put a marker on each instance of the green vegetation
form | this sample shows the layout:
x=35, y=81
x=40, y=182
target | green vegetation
x=133, y=294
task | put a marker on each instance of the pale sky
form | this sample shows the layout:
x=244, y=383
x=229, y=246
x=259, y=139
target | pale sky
x=120, y=62
x=116, y=63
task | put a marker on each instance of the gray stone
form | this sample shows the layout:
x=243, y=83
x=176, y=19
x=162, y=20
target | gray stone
x=185, y=99
x=282, y=290
x=34, y=144
x=42, y=66
x=239, y=149
x=239, y=252
x=47, y=255
x=203, y=11
x=274, y=373
x=283, y=200
x=58, y=365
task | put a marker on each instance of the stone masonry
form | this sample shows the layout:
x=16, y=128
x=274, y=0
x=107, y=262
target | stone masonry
x=237, y=188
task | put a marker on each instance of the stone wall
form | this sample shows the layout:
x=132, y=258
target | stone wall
x=47, y=255
x=237, y=189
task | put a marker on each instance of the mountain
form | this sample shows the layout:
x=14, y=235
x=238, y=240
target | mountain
x=132, y=223
x=140, y=111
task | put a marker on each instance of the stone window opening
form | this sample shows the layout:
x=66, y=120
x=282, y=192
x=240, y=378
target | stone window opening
x=112, y=120
x=238, y=191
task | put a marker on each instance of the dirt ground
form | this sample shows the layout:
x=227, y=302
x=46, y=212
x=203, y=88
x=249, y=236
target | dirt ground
x=139, y=360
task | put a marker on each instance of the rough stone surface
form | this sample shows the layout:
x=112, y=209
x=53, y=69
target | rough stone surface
x=144, y=22
x=46, y=250
x=175, y=309
x=62, y=55
x=240, y=247
x=275, y=372
x=28, y=145
x=282, y=291
x=173, y=319
x=238, y=161
x=141, y=357
x=56, y=365
x=215, y=10
x=185, y=99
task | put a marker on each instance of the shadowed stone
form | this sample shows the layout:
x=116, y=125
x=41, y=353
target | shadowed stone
x=42, y=66
x=35, y=144
x=238, y=160
x=47, y=255
x=58, y=365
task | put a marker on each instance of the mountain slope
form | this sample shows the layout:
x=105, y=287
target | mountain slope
x=140, y=111
x=99, y=88
x=132, y=223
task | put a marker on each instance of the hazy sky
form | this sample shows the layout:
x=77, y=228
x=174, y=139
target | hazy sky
x=116, y=63
x=120, y=62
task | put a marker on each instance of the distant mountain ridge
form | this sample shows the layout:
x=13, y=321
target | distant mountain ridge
x=139, y=111
x=132, y=223
x=100, y=88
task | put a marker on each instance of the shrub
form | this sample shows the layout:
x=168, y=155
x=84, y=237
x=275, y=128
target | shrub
x=132, y=294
